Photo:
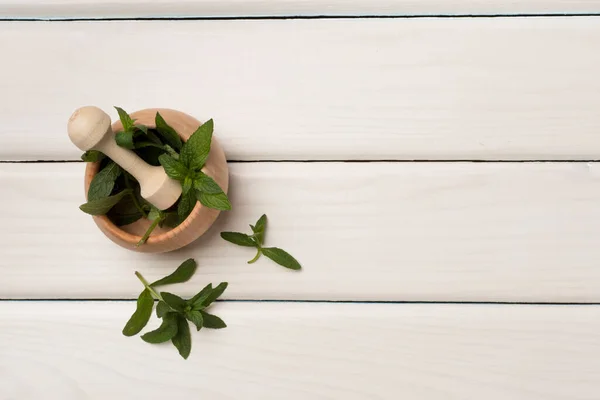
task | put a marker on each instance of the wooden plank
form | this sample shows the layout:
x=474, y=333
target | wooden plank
x=280, y=8
x=434, y=89
x=362, y=231
x=76, y=350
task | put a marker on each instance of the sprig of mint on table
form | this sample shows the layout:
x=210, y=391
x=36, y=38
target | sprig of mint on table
x=174, y=311
x=256, y=240
x=115, y=193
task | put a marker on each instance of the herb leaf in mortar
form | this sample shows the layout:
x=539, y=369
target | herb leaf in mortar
x=173, y=168
x=196, y=149
x=126, y=120
x=168, y=133
x=92, y=156
x=103, y=183
x=187, y=170
x=103, y=205
x=175, y=311
x=125, y=139
x=276, y=254
x=218, y=201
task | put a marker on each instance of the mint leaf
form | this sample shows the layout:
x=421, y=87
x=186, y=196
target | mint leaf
x=92, y=156
x=217, y=201
x=281, y=257
x=259, y=229
x=125, y=139
x=171, y=151
x=141, y=316
x=171, y=219
x=174, y=301
x=183, y=339
x=162, y=309
x=104, y=182
x=164, y=332
x=212, y=321
x=196, y=149
x=173, y=168
x=206, y=184
x=198, y=299
x=167, y=132
x=103, y=205
x=126, y=120
x=187, y=185
x=215, y=293
x=195, y=317
x=182, y=274
x=141, y=128
x=144, y=144
x=155, y=139
x=187, y=202
x=125, y=212
x=238, y=238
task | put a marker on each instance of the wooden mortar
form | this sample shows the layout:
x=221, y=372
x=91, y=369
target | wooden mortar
x=201, y=218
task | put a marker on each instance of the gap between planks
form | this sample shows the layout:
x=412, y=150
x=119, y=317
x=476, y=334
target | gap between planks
x=219, y=9
x=338, y=161
x=433, y=303
x=296, y=17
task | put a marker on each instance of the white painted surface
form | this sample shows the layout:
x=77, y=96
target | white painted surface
x=241, y=8
x=72, y=351
x=401, y=89
x=500, y=88
x=362, y=231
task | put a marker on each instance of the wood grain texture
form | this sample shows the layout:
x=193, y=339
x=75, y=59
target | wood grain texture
x=501, y=88
x=306, y=351
x=254, y=8
x=362, y=231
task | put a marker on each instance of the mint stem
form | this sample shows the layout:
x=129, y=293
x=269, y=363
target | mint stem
x=149, y=231
x=147, y=286
x=136, y=203
x=171, y=151
x=258, y=253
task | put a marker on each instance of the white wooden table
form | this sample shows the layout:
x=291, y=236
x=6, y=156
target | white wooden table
x=426, y=275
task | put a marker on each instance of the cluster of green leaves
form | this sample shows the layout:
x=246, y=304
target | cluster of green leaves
x=256, y=240
x=174, y=311
x=116, y=193
x=187, y=169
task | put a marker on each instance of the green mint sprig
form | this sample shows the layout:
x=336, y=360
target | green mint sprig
x=125, y=138
x=174, y=311
x=256, y=240
x=187, y=169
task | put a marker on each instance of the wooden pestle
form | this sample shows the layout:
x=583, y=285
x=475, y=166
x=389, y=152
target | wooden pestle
x=90, y=128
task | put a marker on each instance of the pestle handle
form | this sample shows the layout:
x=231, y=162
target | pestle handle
x=89, y=128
